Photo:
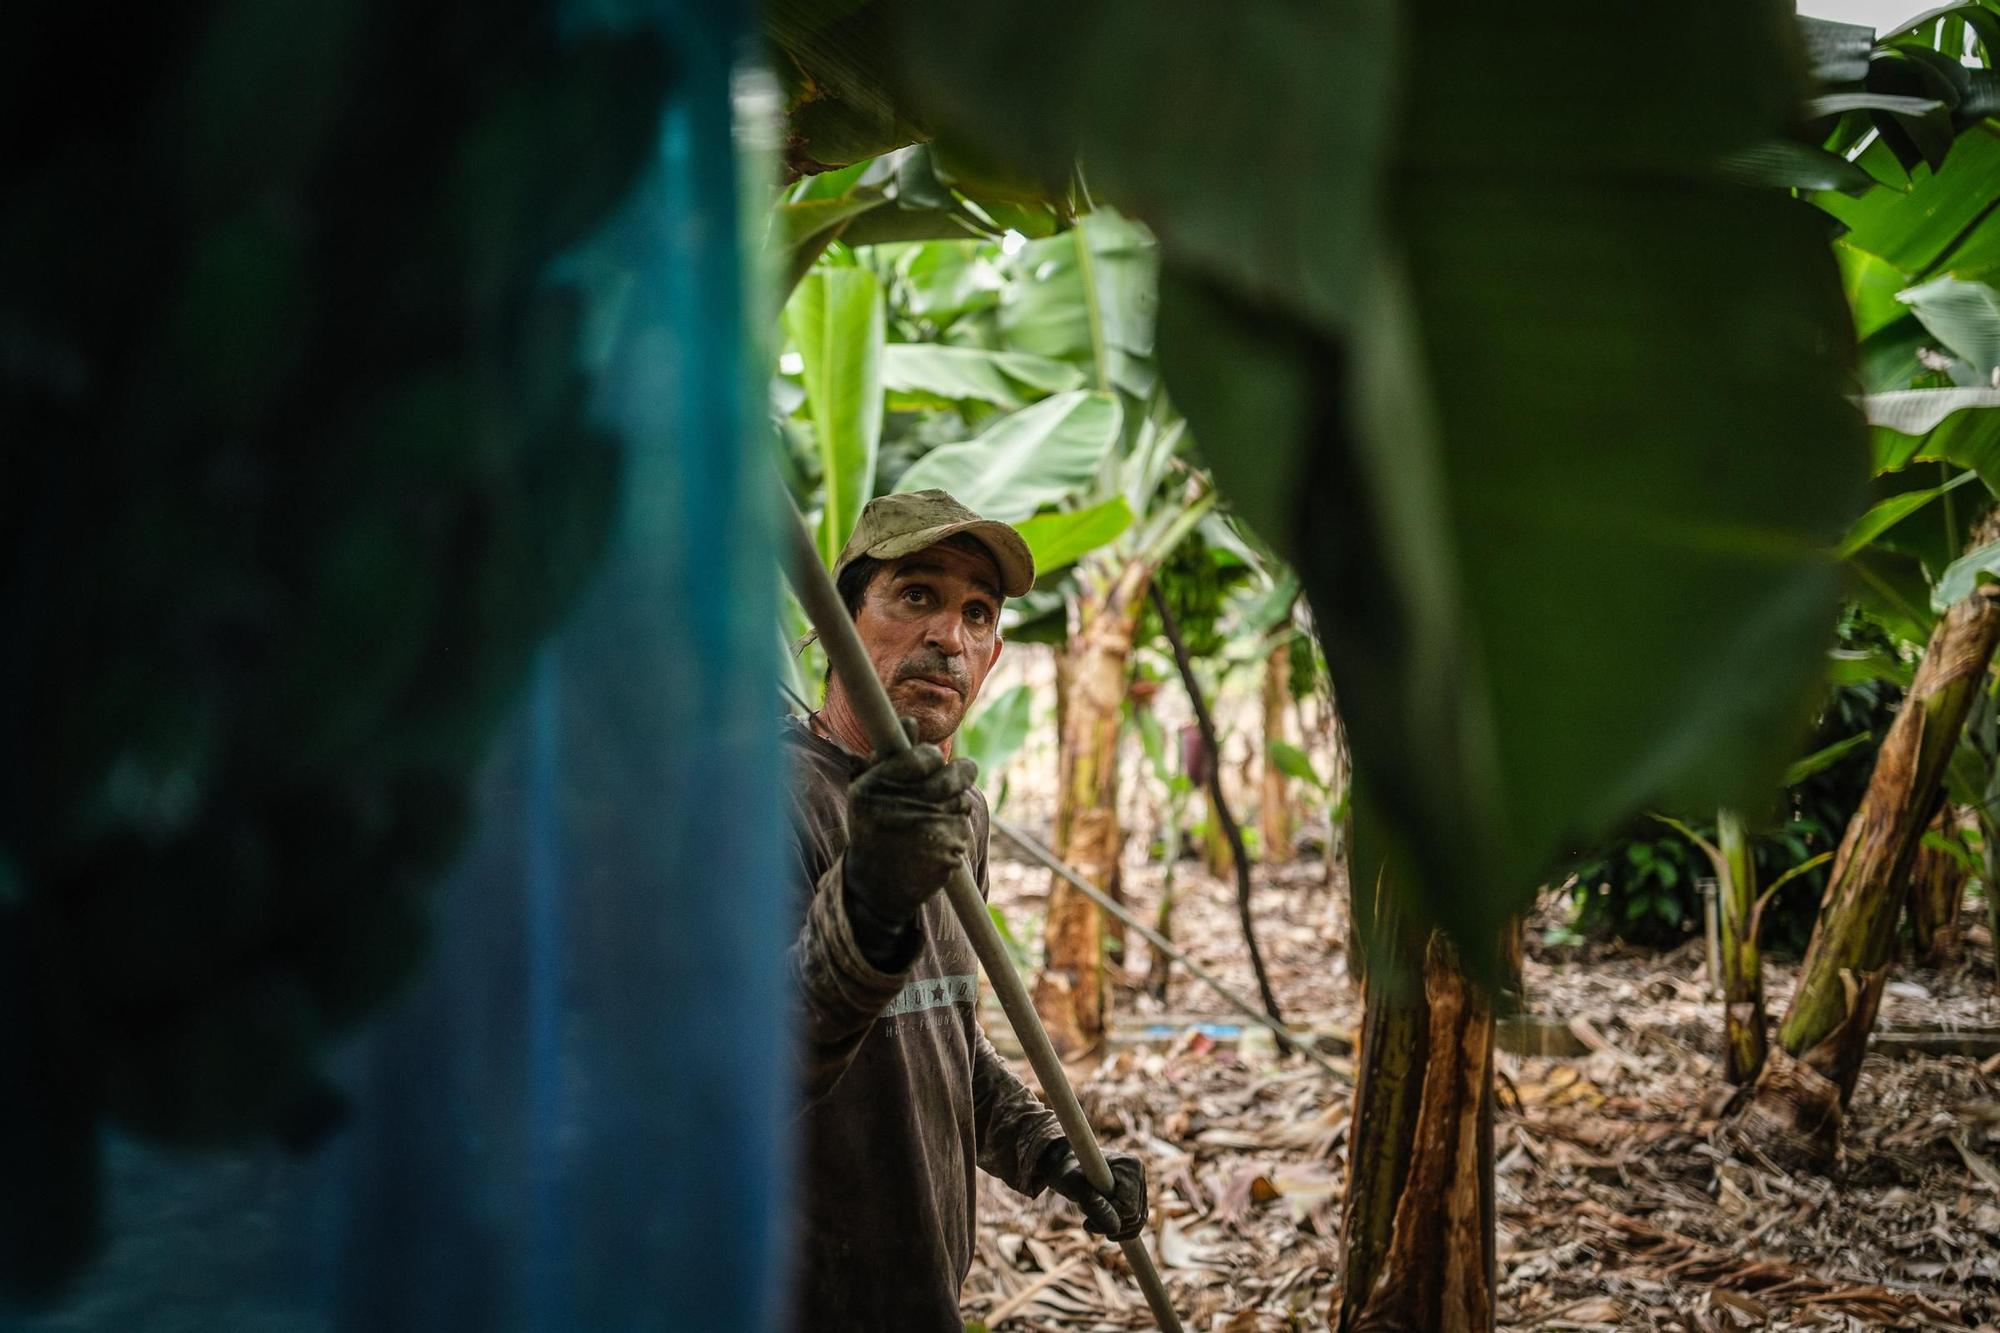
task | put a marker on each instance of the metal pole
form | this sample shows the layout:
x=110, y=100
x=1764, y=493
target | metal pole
x=878, y=717
x=1033, y=846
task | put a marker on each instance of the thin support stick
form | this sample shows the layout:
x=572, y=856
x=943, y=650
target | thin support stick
x=1034, y=847
x=878, y=718
x=1206, y=722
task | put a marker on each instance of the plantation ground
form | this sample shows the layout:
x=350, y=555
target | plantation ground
x=1624, y=1202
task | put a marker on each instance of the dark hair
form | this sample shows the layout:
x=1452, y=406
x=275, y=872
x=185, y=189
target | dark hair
x=854, y=580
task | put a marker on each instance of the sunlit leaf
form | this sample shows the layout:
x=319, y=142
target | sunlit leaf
x=972, y=374
x=1293, y=763
x=836, y=322
x=1028, y=459
x=1060, y=539
x=1964, y=316
x=1921, y=411
x=991, y=736
x=1966, y=574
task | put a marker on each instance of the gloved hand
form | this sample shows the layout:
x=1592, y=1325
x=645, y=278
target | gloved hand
x=908, y=827
x=1121, y=1215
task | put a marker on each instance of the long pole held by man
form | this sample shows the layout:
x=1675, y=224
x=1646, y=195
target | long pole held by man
x=904, y=1096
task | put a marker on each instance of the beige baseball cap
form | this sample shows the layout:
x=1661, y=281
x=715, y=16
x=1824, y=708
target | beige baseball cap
x=893, y=526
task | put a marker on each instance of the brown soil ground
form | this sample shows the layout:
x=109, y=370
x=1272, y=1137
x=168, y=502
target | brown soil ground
x=1624, y=1201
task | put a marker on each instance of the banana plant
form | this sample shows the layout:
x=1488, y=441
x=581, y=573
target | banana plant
x=1917, y=258
x=1429, y=372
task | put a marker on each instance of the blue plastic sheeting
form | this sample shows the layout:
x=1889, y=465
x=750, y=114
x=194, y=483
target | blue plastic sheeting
x=574, y=1121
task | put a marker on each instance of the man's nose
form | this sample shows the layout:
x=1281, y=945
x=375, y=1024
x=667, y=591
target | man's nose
x=945, y=634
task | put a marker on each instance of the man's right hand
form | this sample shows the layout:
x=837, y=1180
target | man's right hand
x=908, y=827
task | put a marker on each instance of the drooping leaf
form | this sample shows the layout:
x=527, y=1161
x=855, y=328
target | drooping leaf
x=1824, y=758
x=1894, y=589
x=1453, y=376
x=1252, y=141
x=842, y=105
x=991, y=736
x=1872, y=283
x=1051, y=312
x=1017, y=952
x=1886, y=514
x=1060, y=539
x=945, y=373
x=1956, y=426
x=1040, y=374
x=1270, y=607
x=936, y=373
x=1918, y=412
x=1833, y=104
x=1964, y=316
x=1837, y=52
x=836, y=322
x=1474, y=543
x=1965, y=574
x=1943, y=223
x=792, y=224
x=1852, y=667
x=942, y=282
x=1025, y=460
x=1789, y=165
x=1293, y=763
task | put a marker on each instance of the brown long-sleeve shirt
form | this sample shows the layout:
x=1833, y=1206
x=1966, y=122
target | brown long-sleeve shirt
x=903, y=1093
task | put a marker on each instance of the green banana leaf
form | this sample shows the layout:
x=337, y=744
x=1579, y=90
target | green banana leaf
x=991, y=736
x=1051, y=312
x=1965, y=574
x=1062, y=538
x=1438, y=335
x=1252, y=141
x=836, y=322
x=1965, y=317
x=1293, y=763
x=1025, y=460
x=937, y=373
x=1826, y=757
x=1496, y=487
x=1945, y=222
x=1915, y=413
x=1852, y=667
x=1886, y=514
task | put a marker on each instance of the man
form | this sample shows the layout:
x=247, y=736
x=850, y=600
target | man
x=904, y=1096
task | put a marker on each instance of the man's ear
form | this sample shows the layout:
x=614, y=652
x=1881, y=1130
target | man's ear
x=998, y=644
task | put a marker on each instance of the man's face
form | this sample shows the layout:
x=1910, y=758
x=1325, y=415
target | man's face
x=931, y=624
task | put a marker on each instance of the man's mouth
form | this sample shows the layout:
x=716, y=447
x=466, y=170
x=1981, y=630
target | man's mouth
x=941, y=682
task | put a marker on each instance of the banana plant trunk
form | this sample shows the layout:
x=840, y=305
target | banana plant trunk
x=1069, y=991
x=1809, y=1078
x=1417, y=1228
x=1937, y=886
x=1274, y=810
x=1743, y=1025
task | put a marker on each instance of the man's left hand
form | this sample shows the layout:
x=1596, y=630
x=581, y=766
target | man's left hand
x=1120, y=1215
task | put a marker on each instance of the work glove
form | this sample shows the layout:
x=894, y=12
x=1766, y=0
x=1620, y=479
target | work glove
x=1120, y=1215
x=908, y=827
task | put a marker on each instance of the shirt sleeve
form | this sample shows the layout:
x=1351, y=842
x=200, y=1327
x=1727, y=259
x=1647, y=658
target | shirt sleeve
x=838, y=992
x=1013, y=1129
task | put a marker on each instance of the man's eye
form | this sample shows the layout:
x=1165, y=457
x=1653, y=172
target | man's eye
x=979, y=614
x=915, y=595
